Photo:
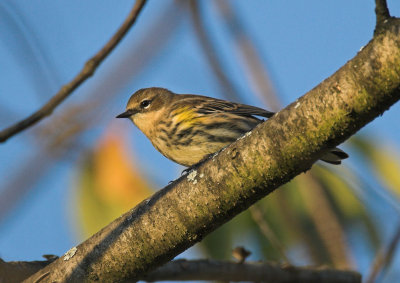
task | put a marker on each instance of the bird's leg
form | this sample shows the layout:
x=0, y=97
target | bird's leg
x=194, y=166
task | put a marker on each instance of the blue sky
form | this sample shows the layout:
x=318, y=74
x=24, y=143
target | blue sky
x=45, y=43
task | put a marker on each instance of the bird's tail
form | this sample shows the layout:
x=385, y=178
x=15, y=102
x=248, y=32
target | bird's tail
x=335, y=156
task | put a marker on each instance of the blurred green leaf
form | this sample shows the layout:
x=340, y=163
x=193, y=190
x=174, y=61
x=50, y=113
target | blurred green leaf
x=385, y=162
x=347, y=206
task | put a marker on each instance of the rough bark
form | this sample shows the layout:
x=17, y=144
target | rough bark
x=277, y=150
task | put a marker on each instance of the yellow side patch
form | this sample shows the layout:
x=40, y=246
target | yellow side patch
x=186, y=116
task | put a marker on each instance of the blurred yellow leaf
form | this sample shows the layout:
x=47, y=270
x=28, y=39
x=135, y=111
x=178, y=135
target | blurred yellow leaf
x=117, y=179
x=109, y=183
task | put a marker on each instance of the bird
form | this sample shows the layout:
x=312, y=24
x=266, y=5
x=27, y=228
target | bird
x=188, y=128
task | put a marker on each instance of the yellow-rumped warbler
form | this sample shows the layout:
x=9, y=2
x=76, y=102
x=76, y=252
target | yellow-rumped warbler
x=188, y=128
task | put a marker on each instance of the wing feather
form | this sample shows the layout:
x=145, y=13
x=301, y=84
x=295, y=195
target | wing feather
x=209, y=105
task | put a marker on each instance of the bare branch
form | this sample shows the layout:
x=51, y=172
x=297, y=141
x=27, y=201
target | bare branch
x=384, y=257
x=326, y=222
x=258, y=217
x=277, y=150
x=210, y=52
x=184, y=270
x=211, y=270
x=87, y=71
x=86, y=112
x=257, y=73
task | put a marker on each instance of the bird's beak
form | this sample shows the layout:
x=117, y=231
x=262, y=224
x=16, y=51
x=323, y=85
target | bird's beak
x=127, y=114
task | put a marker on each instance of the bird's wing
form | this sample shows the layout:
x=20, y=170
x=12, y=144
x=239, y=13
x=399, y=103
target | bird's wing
x=208, y=106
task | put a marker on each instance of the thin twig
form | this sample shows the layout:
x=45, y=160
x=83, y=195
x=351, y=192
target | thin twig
x=86, y=112
x=382, y=13
x=384, y=257
x=44, y=75
x=55, y=139
x=214, y=270
x=87, y=71
x=210, y=52
x=293, y=220
x=326, y=221
x=259, y=219
x=256, y=72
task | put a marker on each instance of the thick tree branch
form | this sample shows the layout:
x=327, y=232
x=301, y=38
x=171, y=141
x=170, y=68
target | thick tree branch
x=277, y=150
x=87, y=71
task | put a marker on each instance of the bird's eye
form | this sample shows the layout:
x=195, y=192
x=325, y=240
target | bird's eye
x=145, y=104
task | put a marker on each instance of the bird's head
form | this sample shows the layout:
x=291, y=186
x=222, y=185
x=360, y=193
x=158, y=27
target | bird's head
x=145, y=106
